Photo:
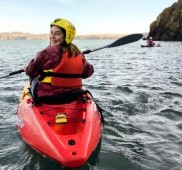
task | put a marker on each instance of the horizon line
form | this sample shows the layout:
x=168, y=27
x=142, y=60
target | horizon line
x=75, y=35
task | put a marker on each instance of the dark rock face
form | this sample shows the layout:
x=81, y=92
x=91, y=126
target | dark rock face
x=168, y=26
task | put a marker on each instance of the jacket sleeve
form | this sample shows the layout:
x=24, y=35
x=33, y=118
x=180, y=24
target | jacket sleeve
x=45, y=59
x=88, y=69
x=35, y=66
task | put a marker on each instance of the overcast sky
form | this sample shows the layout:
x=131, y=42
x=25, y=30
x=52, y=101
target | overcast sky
x=88, y=16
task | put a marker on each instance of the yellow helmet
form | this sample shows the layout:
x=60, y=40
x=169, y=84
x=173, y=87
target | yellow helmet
x=67, y=26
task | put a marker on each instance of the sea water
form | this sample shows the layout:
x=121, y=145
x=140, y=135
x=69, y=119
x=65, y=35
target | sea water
x=140, y=90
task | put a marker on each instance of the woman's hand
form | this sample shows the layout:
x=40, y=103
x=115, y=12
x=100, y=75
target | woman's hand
x=24, y=68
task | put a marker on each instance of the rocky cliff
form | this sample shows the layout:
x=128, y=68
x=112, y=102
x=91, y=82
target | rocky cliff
x=168, y=26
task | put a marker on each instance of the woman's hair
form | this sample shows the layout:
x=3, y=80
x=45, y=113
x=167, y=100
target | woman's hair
x=71, y=48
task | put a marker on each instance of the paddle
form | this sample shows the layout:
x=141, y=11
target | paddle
x=13, y=73
x=121, y=41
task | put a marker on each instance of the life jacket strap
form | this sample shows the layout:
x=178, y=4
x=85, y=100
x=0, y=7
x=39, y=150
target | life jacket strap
x=61, y=75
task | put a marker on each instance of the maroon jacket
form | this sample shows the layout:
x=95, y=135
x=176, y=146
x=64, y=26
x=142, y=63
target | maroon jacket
x=49, y=58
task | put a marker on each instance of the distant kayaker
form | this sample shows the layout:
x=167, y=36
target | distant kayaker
x=150, y=42
x=61, y=66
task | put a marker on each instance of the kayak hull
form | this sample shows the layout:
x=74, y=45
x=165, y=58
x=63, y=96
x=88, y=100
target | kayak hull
x=150, y=46
x=67, y=133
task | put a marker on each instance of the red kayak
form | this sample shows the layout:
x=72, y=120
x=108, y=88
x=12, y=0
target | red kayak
x=66, y=132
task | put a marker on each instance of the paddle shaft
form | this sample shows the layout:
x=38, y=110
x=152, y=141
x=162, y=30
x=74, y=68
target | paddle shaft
x=121, y=41
x=13, y=73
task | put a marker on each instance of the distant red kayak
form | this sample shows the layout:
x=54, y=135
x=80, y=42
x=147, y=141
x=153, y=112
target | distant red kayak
x=67, y=133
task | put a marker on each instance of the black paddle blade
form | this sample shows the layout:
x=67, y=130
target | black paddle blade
x=126, y=40
x=121, y=41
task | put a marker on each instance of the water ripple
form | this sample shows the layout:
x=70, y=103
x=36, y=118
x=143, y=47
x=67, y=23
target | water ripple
x=140, y=90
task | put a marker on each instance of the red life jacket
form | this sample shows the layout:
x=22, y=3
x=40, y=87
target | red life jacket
x=67, y=74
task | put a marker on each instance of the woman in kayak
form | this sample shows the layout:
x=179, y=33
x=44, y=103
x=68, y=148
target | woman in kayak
x=150, y=42
x=61, y=66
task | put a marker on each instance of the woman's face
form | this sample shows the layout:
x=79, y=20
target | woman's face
x=56, y=36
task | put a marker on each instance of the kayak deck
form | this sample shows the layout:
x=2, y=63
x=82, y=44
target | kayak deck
x=64, y=120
